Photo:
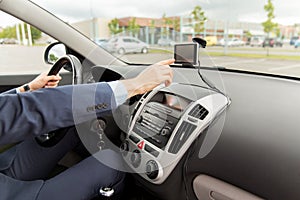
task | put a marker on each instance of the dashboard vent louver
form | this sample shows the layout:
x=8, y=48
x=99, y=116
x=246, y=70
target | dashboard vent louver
x=181, y=136
x=199, y=112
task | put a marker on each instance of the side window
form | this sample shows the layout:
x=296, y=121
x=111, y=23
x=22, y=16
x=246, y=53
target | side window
x=126, y=40
x=114, y=40
x=135, y=41
x=22, y=47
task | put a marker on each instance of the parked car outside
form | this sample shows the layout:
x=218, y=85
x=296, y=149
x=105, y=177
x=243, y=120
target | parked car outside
x=272, y=42
x=126, y=44
x=297, y=43
x=211, y=40
x=9, y=41
x=293, y=40
x=232, y=42
x=165, y=42
x=256, y=41
x=101, y=42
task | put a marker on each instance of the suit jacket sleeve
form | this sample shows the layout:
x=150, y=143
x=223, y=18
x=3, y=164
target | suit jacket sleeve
x=45, y=110
x=12, y=91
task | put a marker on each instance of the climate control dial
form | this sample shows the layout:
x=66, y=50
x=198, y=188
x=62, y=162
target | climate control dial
x=152, y=169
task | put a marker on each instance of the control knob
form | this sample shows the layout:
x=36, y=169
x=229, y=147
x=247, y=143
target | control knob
x=124, y=148
x=165, y=131
x=136, y=158
x=152, y=169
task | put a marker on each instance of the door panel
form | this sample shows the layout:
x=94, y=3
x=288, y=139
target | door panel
x=8, y=82
x=207, y=188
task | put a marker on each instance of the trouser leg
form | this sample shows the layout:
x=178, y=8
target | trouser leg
x=84, y=180
x=81, y=181
x=33, y=161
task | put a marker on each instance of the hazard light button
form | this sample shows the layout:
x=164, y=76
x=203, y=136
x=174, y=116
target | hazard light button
x=141, y=145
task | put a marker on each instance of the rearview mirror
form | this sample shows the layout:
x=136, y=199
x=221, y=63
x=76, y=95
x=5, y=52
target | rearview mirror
x=54, y=51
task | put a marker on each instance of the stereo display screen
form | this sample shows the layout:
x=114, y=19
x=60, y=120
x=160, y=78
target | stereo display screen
x=159, y=118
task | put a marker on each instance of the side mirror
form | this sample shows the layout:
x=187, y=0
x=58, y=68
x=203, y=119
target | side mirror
x=53, y=52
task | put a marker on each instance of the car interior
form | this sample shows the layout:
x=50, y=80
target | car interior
x=214, y=133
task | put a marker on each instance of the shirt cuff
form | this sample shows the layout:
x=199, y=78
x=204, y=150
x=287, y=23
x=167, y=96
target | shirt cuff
x=18, y=90
x=120, y=92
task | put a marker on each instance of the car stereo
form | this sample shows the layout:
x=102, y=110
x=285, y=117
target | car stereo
x=163, y=125
x=159, y=118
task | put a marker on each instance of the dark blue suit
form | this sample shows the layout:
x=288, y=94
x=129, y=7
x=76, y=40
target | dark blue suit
x=26, y=115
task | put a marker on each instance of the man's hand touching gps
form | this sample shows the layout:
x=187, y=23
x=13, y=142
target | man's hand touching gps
x=151, y=77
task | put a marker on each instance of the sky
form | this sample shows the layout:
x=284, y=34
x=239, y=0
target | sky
x=287, y=12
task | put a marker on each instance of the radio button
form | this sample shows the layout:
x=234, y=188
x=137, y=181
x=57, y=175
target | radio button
x=170, y=122
x=134, y=139
x=158, y=141
x=165, y=131
x=151, y=150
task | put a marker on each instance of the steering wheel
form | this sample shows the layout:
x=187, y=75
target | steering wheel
x=52, y=138
x=74, y=64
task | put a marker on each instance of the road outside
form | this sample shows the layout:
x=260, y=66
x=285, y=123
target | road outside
x=25, y=60
x=15, y=59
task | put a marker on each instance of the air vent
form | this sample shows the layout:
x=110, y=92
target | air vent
x=199, y=112
x=181, y=136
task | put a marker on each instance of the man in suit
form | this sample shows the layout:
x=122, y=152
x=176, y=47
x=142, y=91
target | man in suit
x=25, y=115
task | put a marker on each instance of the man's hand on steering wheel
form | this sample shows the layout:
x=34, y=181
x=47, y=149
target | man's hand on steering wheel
x=51, y=79
x=42, y=81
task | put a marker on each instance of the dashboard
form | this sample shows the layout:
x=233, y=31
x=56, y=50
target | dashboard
x=164, y=123
x=256, y=149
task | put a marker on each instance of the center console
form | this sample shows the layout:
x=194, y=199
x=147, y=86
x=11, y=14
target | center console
x=163, y=125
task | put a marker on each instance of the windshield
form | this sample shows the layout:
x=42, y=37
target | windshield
x=261, y=36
